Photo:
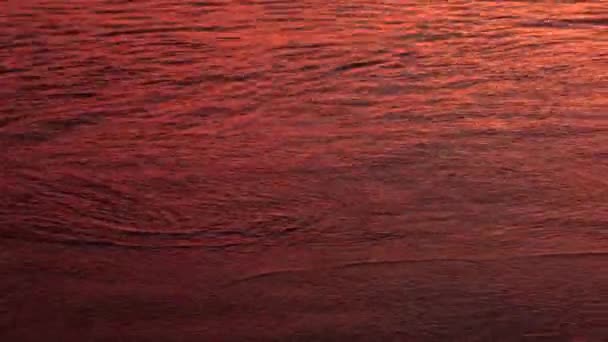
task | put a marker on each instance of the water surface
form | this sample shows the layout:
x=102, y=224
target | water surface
x=428, y=170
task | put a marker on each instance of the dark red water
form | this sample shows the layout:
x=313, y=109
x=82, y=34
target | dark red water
x=303, y=170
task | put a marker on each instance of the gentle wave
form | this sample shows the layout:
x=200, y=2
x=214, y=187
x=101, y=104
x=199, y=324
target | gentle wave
x=201, y=124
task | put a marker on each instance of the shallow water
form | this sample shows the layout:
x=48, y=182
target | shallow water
x=224, y=141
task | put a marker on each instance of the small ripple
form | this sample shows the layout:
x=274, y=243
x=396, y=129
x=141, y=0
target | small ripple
x=358, y=65
x=567, y=23
x=405, y=262
x=173, y=29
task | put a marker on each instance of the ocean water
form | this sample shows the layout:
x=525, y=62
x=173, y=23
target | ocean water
x=303, y=170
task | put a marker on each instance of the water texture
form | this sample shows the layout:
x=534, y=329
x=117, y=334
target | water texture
x=297, y=147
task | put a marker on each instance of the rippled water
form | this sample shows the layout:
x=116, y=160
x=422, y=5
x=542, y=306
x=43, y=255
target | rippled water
x=333, y=131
